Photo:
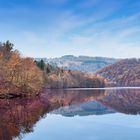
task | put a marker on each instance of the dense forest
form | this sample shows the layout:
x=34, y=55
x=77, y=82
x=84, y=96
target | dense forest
x=123, y=73
x=74, y=79
x=18, y=75
x=56, y=77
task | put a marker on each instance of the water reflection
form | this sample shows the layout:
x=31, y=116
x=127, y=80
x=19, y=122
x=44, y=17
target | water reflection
x=18, y=116
x=124, y=100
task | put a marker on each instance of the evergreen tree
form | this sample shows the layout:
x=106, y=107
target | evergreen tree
x=40, y=64
x=8, y=46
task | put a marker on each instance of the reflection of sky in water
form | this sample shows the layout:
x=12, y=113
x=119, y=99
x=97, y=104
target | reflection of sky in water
x=115, y=126
x=73, y=115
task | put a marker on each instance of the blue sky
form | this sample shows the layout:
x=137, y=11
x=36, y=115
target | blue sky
x=52, y=28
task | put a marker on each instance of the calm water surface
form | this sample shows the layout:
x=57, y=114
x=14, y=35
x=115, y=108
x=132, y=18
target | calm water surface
x=111, y=114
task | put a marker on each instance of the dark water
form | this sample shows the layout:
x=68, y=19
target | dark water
x=73, y=115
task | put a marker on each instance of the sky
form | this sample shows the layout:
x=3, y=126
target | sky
x=52, y=28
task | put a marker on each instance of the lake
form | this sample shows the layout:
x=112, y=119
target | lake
x=73, y=114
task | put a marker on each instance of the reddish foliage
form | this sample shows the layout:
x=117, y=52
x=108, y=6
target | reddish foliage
x=123, y=73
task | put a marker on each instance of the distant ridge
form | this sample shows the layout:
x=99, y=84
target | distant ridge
x=83, y=109
x=80, y=63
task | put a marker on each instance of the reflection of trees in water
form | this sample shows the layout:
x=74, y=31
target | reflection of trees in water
x=18, y=116
x=78, y=102
x=68, y=97
x=126, y=101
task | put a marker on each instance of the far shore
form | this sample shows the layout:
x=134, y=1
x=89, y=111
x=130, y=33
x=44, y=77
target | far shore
x=105, y=88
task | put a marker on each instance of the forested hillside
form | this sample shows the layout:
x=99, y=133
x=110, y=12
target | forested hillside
x=74, y=79
x=80, y=63
x=56, y=77
x=123, y=73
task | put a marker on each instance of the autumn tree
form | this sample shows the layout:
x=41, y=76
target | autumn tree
x=18, y=75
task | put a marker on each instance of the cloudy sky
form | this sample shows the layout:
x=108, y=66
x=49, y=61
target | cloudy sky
x=52, y=28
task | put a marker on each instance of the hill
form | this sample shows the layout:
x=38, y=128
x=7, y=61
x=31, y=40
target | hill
x=123, y=73
x=55, y=77
x=59, y=78
x=80, y=63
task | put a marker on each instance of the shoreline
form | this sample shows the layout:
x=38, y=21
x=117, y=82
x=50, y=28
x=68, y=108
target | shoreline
x=12, y=95
x=105, y=88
